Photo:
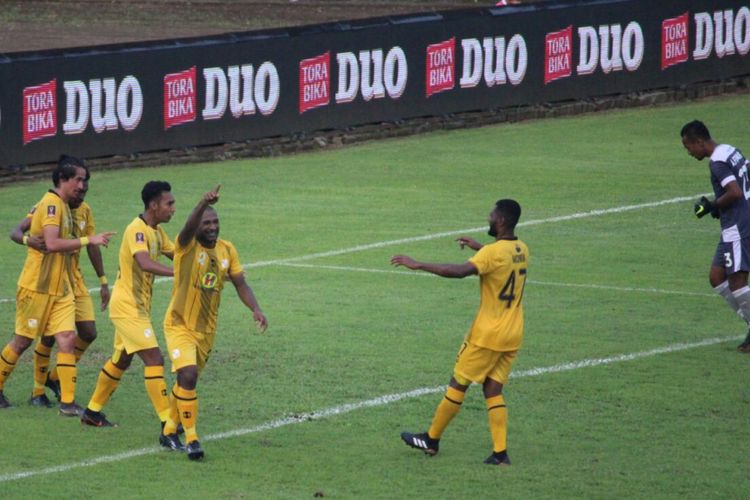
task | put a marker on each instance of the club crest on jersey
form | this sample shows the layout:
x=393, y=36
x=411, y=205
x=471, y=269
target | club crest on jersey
x=51, y=211
x=140, y=238
x=82, y=225
x=209, y=280
x=202, y=258
x=224, y=263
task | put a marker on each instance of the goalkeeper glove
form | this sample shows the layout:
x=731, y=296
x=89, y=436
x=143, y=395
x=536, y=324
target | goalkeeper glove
x=704, y=207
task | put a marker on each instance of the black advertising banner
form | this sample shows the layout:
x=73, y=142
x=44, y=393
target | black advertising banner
x=101, y=101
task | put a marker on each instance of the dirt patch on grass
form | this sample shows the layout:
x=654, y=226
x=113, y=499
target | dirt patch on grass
x=38, y=24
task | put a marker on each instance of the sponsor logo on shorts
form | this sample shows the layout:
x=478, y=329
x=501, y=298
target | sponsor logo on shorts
x=147, y=333
x=175, y=353
x=33, y=323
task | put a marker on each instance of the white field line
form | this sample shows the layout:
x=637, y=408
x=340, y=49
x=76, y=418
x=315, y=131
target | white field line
x=426, y=237
x=533, y=282
x=369, y=403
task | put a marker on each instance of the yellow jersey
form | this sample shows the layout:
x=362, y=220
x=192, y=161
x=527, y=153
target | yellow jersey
x=48, y=273
x=199, y=275
x=502, y=277
x=83, y=225
x=131, y=296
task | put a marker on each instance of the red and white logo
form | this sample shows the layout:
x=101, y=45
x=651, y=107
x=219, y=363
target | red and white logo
x=440, y=67
x=39, y=111
x=558, y=55
x=674, y=41
x=314, y=82
x=179, y=98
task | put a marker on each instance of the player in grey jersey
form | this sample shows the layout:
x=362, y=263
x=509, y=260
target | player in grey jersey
x=729, y=178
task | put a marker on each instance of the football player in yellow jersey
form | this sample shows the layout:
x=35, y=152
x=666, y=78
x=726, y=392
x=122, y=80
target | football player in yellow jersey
x=202, y=263
x=491, y=344
x=143, y=242
x=44, y=302
x=83, y=225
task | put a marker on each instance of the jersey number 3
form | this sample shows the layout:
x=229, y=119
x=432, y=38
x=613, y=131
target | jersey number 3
x=508, y=293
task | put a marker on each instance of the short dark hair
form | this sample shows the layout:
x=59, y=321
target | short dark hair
x=152, y=190
x=66, y=169
x=510, y=210
x=695, y=130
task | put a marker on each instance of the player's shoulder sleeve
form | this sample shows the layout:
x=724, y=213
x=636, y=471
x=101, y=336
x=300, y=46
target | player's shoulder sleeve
x=235, y=266
x=135, y=238
x=52, y=208
x=31, y=211
x=720, y=164
x=167, y=245
x=90, y=224
x=486, y=259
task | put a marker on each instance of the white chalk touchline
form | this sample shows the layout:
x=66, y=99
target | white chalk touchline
x=369, y=403
x=533, y=282
x=426, y=237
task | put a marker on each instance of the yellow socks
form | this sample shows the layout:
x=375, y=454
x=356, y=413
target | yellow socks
x=157, y=390
x=170, y=425
x=187, y=403
x=66, y=369
x=446, y=410
x=8, y=360
x=498, y=416
x=80, y=348
x=41, y=368
x=106, y=384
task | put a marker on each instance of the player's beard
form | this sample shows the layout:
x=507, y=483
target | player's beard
x=492, y=231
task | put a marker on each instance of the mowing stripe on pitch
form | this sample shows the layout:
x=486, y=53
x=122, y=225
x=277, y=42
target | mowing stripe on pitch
x=433, y=236
x=369, y=403
x=533, y=282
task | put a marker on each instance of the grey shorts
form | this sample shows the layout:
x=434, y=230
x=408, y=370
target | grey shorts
x=733, y=256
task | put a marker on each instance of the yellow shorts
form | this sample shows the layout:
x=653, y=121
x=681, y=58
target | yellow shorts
x=43, y=314
x=187, y=347
x=133, y=335
x=476, y=364
x=84, y=308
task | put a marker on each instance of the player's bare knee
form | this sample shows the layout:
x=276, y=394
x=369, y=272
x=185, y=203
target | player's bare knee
x=123, y=361
x=492, y=388
x=19, y=343
x=187, y=377
x=152, y=357
x=66, y=342
x=48, y=341
x=86, y=331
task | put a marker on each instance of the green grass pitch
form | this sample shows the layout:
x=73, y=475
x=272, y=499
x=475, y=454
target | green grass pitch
x=628, y=384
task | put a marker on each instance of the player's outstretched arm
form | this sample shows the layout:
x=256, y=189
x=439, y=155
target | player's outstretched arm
x=465, y=241
x=194, y=219
x=147, y=265
x=444, y=270
x=18, y=233
x=54, y=243
x=248, y=298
